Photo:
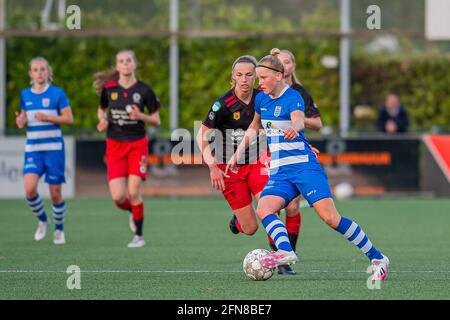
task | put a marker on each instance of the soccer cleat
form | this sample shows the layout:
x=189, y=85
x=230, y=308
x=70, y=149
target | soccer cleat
x=233, y=227
x=132, y=224
x=380, y=268
x=41, y=230
x=137, y=242
x=58, y=237
x=278, y=258
x=286, y=269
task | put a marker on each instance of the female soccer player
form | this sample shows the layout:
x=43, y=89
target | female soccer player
x=229, y=117
x=121, y=113
x=294, y=169
x=44, y=107
x=313, y=122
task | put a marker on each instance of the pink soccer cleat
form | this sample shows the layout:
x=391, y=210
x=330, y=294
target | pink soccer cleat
x=380, y=268
x=279, y=258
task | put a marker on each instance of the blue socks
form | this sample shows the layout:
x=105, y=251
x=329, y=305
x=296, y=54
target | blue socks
x=277, y=231
x=58, y=215
x=37, y=206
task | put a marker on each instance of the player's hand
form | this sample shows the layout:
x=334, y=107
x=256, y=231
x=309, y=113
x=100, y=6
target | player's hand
x=41, y=116
x=134, y=112
x=102, y=125
x=290, y=134
x=315, y=150
x=21, y=120
x=231, y=165
x=217, y=178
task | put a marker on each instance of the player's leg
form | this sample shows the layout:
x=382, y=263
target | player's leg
x=137, y=173
x=32, y=171
x=36, y=204
x=55, y=177
x=323, y=203
x=246, y=221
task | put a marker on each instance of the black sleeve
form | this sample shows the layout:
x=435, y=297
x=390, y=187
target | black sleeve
x=311, y=109
x=212, y=119
x=152, y=101
x=104, y=99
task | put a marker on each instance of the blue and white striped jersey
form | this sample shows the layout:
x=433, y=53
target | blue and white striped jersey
x=41, y=135
x=287, y=157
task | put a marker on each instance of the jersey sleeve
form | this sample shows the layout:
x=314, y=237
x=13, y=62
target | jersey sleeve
x=311, y=109
x=63, y=102
x=104, y=99
x=212, y=119
x=258, y=103
x=296, y=103
x=152, y=101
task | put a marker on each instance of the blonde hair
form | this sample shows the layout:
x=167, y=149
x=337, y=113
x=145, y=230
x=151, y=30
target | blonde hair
x=49, y=68
x=103, y=77
x=272, y=61
x=242, y=59
x=294, y=78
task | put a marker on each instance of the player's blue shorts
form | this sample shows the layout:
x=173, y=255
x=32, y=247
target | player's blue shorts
x=311, y=184
x=52, y=163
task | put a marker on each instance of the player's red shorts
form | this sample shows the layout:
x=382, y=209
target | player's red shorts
x=250, y=179
x=124, y=158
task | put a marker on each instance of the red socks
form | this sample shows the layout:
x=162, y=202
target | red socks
x=293, y=223
x=126, y=205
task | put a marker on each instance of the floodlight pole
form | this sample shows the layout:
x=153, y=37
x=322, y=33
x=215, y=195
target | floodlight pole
x=344, y=69
x=2, y=69
x=174, y=64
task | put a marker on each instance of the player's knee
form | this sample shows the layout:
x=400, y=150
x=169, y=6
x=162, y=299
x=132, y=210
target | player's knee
x=249, y=228
x=30, y=193
x=118, y=197
x=331, y=219
x=135, y=196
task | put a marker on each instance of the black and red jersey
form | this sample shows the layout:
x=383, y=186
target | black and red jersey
x=311, y=109
x=116, y=99
x=231, y=117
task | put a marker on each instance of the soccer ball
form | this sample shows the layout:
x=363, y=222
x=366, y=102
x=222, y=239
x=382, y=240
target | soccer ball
x=253, y=268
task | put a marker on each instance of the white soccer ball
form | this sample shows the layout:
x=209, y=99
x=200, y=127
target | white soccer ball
x=253, y=268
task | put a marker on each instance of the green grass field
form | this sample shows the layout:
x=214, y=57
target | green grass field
x=191, y=254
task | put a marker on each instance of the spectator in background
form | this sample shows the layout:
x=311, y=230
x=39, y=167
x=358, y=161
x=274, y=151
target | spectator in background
x=392, y=117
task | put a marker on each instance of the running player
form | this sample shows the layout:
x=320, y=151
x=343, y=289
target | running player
x=294, y=169
x=44, y=107
x=313, y=122
x=228, y=118
x=121, y=113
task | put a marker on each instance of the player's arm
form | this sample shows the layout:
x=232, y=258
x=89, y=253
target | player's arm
x=102, y=119
x=65, y=117
x=150, y=119
x=250, y=135
x=313, y=123
x=215, y=173
x=21, y=119
x=297, y=125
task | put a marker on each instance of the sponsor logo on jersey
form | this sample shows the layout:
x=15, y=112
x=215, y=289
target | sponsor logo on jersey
x=114, y=96
x=268, y=125
x=137, y=98
x=236, y=115
x=277, y=111
x=45, y=102
x=216, y=106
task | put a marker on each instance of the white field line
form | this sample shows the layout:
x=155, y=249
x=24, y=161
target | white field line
x=213, y=271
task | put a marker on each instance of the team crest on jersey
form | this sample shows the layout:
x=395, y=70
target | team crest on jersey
x=216, y=106
x=277, y=111
x=236, y=115
x=45, y=102
x=114, y=96
x=136, y=98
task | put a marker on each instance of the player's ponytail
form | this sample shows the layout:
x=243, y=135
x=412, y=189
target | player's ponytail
x=272, y=61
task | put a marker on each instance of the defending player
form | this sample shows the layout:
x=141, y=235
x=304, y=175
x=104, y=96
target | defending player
x=121, y=112
x=44, y=107
x=294, y=169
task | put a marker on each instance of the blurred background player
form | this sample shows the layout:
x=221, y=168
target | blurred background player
x=229, y=117
x=44, y=107
x=313, y=122
x=123, y=99
x=294, y=169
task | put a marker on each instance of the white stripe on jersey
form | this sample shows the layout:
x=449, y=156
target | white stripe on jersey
x=43, y=147
x=288, y=160
x=31, y=117
x=286, y=146
x=44, y=134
